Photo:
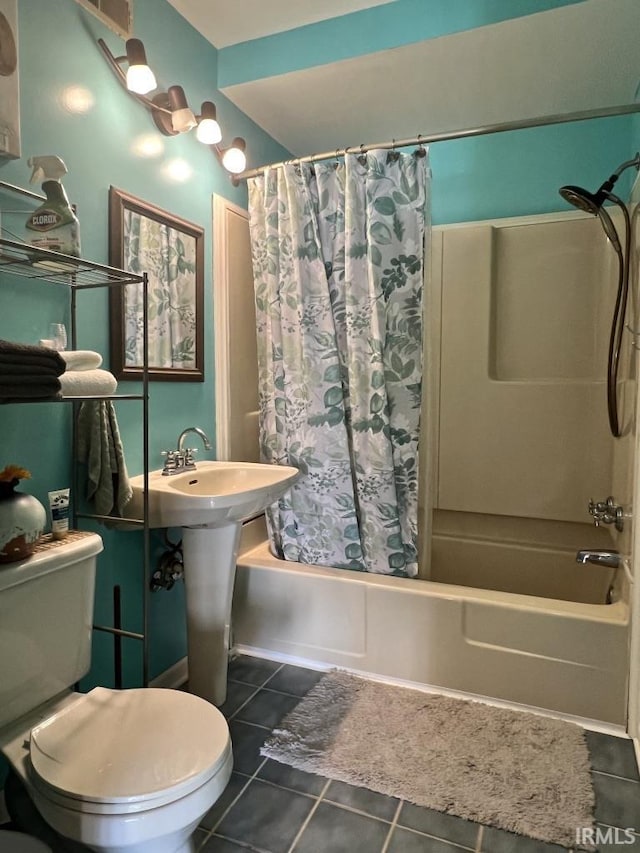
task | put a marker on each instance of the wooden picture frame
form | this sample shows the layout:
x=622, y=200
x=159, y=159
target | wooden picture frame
x=145, y=238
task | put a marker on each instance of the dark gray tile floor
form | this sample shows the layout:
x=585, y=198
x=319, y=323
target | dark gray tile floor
x=271, y=808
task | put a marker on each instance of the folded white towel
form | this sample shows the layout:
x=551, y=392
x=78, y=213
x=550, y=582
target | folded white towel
x=81, y=359
x=87, y=383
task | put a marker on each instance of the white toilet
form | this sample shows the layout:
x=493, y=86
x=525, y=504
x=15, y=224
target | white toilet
x=121, y=771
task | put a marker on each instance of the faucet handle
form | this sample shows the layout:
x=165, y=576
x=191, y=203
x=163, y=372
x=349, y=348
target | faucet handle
x=174, y=462
x=607, y=512
x=189, y=453
x=170, y=462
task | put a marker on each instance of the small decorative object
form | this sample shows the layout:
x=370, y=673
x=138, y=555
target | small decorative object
x=22, y=517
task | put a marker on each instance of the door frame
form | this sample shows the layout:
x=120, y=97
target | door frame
x=222, y=349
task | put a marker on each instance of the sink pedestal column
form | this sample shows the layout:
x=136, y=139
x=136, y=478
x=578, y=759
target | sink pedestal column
x=210, y=556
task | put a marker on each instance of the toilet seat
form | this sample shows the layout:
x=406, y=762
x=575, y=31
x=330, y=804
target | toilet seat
x=117, y=752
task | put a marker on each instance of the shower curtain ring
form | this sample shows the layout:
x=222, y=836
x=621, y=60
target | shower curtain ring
x=421, y=150
x=393, y=155
x=362, y=156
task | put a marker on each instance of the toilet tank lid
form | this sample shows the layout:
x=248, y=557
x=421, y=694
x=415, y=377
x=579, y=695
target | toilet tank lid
x=126, y=746
x=50, y=556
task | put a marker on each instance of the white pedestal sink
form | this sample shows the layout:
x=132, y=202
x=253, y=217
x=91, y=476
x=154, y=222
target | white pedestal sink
x=210, y=503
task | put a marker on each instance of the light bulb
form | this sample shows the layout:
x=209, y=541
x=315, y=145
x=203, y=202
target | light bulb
x=140, y=79
x=208, y=131
x=234, y=159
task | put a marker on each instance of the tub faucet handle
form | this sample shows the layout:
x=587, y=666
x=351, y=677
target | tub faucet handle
x=607, y=512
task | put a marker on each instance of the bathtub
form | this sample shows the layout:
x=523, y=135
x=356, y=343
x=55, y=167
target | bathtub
x=535, y=628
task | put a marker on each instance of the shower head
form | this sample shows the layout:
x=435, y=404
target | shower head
x=592, y=202
x=583, y=199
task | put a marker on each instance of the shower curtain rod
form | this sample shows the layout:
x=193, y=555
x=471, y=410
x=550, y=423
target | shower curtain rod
x=522, y=124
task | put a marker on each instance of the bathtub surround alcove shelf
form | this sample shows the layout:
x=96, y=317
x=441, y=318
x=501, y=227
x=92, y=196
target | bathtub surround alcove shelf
x=78, y=274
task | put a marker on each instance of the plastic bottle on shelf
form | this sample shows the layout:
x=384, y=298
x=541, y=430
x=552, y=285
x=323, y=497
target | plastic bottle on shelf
x=53, y=225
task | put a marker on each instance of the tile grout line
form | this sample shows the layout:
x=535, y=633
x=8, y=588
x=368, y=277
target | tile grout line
x=453, y=844
x=307, y=820
x=250, y=779
x=480, y=839
x=258, y=688
x=241, y=706
x=275, y=672
x=614, y=776
x=394, y=823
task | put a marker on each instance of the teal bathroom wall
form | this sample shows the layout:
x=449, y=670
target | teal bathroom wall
x=62, y=71
x=519, y=172
x=72, y=105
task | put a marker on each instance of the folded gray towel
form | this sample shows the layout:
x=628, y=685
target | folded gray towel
x=27, y=386
x=27, y=368
x=15, y=353
x=99, y=445
x=33, y=395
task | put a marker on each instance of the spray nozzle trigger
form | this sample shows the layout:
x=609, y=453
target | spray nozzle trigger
x=47, y=168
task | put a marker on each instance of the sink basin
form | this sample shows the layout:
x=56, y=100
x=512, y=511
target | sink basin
x=214, y=494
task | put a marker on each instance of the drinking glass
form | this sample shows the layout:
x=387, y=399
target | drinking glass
x=58, y=334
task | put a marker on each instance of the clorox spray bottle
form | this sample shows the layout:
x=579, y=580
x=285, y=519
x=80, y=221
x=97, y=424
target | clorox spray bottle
x=53, y=225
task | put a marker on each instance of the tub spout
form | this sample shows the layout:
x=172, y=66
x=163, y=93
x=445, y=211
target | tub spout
x=600, y=558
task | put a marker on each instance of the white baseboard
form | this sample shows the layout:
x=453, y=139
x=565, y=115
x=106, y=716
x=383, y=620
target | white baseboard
x=174, y=677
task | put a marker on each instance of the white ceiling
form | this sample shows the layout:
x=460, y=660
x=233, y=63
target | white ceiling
x=225, y=22
x=576, y=57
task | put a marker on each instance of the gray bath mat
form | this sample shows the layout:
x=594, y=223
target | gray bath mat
x=509, y=769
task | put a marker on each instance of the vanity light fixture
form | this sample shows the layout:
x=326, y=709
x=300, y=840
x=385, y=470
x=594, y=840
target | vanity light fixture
x=170, y=110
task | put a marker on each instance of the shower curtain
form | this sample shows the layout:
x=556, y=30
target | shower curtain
x=338, y=255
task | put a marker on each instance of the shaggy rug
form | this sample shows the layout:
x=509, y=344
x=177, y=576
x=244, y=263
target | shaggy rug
x=509, y=769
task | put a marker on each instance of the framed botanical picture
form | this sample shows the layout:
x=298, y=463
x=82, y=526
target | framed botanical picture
x=9, y=83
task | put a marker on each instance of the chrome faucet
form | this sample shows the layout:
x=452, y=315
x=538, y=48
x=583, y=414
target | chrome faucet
x=600, y=558
x=181, y=459
x=198, y=431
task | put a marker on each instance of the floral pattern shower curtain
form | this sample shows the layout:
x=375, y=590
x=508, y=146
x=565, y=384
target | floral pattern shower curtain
x=338, y=257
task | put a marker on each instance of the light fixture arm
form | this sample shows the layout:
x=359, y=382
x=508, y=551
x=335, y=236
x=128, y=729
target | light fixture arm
x=163, y=115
